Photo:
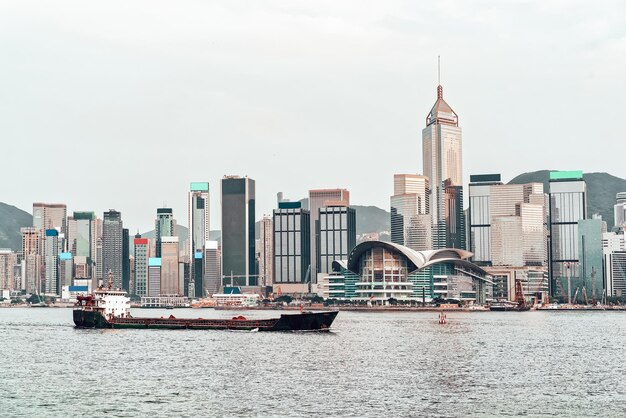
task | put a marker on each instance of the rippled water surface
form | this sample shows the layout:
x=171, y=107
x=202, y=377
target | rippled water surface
x=394, y=364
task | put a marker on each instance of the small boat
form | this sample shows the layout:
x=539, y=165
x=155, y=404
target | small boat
x=506, y=307
x=110, y=308
x=519, y=305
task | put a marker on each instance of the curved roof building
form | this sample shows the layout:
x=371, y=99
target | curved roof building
x=378, y=271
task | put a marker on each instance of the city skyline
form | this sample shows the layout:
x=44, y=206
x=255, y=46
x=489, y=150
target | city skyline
x=201, y=97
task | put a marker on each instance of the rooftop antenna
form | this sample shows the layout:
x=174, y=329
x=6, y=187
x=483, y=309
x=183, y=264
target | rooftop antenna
x=439, y=88
x=439, y=69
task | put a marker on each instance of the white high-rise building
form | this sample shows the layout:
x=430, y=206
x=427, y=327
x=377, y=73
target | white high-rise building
x=442, y=160
x=517, y=211
x=410, y=221
x=198, y=207
x=619, y=210
x=614, y=263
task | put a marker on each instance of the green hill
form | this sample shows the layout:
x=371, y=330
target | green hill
x=11, y=220
x=371, y=219
x=601, y=190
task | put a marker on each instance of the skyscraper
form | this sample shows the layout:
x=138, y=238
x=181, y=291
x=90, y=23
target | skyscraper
x=614, y=263
x=454, y=216
x=8, y=261
x=212, y=269
x=31, y=259
x=410, y=221
x=619, y=210
x=50, y=216
x=199, y=230
x=52, y=247
x=590, y=240
x=568, y=205
x=83, y=242
x=65, y=271
x=169, y=266
x=125, y=260
x=518, y=211
x=479, y=218
x=266, y=251
x=140, y=281
x=292, y=255
x=112, y=246
x=318, y=199
x=164, y=226
x=336, y=235
x=154, y=276
x=238, y=234
x=442, y=160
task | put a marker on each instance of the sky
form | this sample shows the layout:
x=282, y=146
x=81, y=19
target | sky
x=120, y=104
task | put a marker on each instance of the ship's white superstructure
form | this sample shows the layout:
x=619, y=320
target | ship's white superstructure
x=115, y=303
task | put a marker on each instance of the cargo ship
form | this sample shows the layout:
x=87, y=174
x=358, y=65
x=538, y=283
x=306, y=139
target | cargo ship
x=110, y=308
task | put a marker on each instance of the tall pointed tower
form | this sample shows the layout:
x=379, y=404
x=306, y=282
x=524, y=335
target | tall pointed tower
x=441, y=146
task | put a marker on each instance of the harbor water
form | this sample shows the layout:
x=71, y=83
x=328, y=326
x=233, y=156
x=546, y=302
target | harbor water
x=372, y=364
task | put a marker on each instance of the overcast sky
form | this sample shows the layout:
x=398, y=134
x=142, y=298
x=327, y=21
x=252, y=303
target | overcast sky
x=120, y=104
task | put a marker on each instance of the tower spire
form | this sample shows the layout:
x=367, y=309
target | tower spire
x=439, y=88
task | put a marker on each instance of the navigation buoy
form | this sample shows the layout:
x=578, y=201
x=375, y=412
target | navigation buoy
x=442, y=318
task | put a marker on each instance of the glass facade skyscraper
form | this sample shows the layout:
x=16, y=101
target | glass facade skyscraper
x=112, y=246
x=165, y=226
x=318, y=199
x=590, y=232
x=238, y=234
x=568, y=205
x=83, y=245
x=336, y=235
x=52, y=247
x=292, y=237
x=454, y=216
x=480, y=216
